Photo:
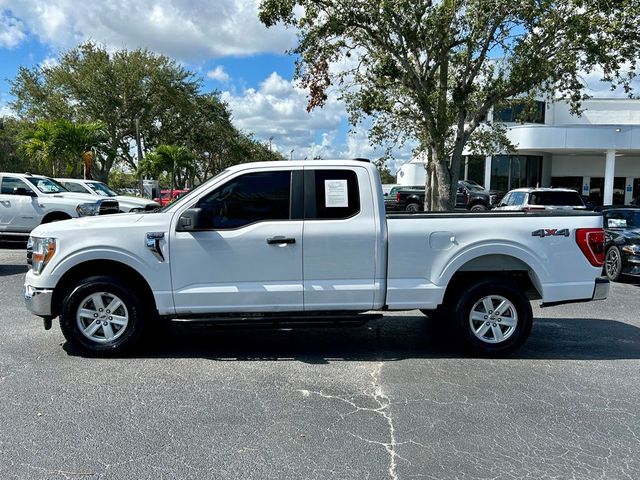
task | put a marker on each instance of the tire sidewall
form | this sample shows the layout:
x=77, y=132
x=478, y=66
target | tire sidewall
x=474, y=293
x=81, y=291
x=478, y=207
x=413, y=207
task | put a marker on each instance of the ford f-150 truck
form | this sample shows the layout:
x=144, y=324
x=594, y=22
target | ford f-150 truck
x=302, y=242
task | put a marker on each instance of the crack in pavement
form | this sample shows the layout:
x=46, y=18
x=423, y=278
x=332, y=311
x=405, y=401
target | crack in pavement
x=383, y=403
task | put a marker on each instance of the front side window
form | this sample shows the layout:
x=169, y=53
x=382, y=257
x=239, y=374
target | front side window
x=10, y=183
x=517, y=198
x=250, y=198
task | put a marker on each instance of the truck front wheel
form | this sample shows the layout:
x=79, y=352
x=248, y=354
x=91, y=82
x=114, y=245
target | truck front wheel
x=102, y=315
x=494, y=318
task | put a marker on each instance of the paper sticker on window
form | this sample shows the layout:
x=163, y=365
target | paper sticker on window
x=335, y=193
x=617, y=222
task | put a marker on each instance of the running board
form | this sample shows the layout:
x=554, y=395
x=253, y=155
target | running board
x=281, y=321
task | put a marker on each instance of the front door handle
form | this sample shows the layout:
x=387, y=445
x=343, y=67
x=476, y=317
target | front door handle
x=280, y=241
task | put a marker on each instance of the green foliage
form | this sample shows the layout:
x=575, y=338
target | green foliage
x=60, y=147
x=431, y=71
x=117, y=90
x=177, y=161
x=386, y=177
x=12, y=159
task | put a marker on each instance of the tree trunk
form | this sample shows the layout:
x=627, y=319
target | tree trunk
x=442, y=186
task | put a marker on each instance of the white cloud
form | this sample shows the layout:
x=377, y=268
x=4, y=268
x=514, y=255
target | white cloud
x=218, y=74
x=11, y=31
x=185, y=29
x=278, y=110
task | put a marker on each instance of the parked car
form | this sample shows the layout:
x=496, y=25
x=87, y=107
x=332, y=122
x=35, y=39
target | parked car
x=233, y=251
x=165, y=194
x=469, y=196
x=99, y=189
x=539, y=199
x=475, y=197
x=27, y=201
x=622, y=236
x=392, y=199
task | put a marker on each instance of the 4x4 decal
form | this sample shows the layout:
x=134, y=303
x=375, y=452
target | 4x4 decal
x=550, y=232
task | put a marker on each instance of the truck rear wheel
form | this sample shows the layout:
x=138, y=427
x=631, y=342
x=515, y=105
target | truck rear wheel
x=494, y=318
x=102, y=316
x=413, y=207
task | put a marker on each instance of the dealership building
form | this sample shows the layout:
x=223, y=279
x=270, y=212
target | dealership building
x=596, y=153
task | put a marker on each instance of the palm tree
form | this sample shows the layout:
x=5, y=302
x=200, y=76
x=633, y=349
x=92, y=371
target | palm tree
x=173, y=159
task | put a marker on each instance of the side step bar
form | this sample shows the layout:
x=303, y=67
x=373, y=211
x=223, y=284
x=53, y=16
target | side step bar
x=281, y=321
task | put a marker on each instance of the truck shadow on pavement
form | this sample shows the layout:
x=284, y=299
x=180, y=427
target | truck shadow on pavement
x=391, y=339
x=7, y=270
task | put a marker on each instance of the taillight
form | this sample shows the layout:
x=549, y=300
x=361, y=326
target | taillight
x=397, y=196
x=591, y=242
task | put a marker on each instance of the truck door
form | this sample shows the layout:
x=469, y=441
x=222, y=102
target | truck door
x=18, y=206
x=340, y=233
x=247, y=255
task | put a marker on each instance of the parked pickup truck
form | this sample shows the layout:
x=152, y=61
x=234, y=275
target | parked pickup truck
x=469, y=196
x=307, y=241
x=27, y=201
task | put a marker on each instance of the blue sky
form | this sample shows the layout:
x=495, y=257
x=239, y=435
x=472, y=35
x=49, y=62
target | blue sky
x=222, y=41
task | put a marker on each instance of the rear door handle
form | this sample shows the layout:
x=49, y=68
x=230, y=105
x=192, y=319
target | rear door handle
x=280, y=241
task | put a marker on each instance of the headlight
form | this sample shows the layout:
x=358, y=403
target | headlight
x=631, y=249
x=42, y=250
x=88, y=209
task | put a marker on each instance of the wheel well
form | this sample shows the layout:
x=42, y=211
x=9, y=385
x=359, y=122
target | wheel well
x=498, y=267
x=100, y=267
x=53, y=216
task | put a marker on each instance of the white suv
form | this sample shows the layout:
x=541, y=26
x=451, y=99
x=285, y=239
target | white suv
x=27, y=201
x=539, y=199
x=99, y=189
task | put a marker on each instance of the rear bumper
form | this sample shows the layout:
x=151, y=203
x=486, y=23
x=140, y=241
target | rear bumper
x=600, y=292
x=38, y=300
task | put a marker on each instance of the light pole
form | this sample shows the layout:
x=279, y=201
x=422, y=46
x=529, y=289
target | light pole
x=270, y=140
x=139, y=146
x=291, y=154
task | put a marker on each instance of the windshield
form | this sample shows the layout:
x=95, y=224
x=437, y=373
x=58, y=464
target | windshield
x=473, y=186
x=622, y=219
x=101, y=189
x=46, y=185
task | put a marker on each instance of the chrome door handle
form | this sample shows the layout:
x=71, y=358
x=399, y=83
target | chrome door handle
x=280, y=241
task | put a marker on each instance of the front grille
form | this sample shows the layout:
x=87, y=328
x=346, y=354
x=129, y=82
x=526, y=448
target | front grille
x=108, y=207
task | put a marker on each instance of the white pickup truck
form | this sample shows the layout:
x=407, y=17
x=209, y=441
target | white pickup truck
x=303, y=242
x=27, y=201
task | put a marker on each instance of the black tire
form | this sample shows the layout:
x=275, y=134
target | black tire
x=478, y=207
x=117, y=338
x=517, y=313
x=413, y=208
x=613, y=264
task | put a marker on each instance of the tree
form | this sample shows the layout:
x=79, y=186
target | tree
x=65, y=148
x=172, y=159
x=385, y=174
x=89, y=84
x=12, y=159
x=431, y=71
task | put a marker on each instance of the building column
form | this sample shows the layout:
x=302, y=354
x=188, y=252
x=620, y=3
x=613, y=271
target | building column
x=466, y=167
x=609, y=171
x=628, y=190
x=487, y=172
x=586, y=186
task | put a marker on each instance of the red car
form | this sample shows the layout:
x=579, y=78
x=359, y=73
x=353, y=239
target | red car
x=164, y=196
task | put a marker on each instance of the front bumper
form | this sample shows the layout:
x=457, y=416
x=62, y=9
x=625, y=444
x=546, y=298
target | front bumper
x=38, y=300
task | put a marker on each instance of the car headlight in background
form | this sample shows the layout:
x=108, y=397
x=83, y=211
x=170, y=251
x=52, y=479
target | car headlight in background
x=631, y=249
x=41, y=251
x=88, y=209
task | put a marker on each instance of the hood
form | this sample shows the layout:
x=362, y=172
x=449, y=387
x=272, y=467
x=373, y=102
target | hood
x=134, y=202
x=631, y=234
x=75, y=226
x=82, y=197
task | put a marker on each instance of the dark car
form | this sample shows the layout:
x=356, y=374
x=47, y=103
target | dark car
x=391, y=200
x=474, y=197
x=622, y=247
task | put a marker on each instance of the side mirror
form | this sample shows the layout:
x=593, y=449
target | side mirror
x=190, y=220
x=23, y=191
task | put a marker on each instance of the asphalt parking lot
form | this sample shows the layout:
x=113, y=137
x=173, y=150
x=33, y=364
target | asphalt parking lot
x=395, y=399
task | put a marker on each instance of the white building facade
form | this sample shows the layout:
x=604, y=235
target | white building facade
x=597, y=153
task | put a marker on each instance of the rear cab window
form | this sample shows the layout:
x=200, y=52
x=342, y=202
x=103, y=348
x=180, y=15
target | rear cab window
x=571, y=199
x=331, y=194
